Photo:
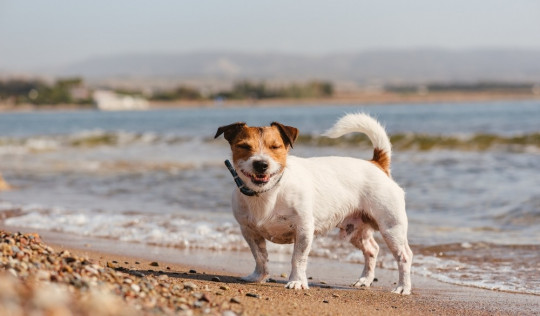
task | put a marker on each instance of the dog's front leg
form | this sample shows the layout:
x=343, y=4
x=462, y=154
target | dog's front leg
x=302, y=246
x=257, y=244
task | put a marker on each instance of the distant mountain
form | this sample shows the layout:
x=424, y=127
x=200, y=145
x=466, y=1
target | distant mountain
x=378, y=65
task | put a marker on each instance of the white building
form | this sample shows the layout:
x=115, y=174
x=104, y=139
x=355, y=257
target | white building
x=106, y=100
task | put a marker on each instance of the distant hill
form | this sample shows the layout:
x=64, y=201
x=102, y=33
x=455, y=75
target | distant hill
x=389, y=66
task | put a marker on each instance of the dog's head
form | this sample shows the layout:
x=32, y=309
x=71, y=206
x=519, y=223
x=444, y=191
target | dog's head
x=259, y=153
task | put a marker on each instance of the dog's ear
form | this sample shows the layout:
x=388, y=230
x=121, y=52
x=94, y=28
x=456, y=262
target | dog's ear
x=288, y=133
x=230, y=131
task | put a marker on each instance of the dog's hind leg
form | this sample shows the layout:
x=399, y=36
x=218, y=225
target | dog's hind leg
x=396, y=239
x=363, y=240
x=257, y=244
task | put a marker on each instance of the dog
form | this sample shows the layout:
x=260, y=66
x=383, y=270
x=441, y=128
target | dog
x=293, y=199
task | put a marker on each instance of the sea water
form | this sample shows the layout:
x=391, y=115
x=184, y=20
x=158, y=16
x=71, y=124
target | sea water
x=157, y=177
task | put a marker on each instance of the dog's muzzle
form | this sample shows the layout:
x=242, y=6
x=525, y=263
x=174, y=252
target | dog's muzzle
x=257, y=179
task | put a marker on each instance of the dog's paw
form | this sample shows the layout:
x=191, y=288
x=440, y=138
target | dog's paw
x=255, y=278
x=363, y=282
x=297, y=285
x=402, y=290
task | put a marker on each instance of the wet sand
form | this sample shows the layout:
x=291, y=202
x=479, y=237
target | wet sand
x=218, y=290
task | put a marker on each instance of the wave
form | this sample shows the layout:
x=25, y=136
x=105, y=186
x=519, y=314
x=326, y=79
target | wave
x=425, y=142
x=89, y=139
x=478, y=264
x=402, y=141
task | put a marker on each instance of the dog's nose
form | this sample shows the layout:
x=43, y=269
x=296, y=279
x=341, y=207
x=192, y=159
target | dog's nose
x=260, y=166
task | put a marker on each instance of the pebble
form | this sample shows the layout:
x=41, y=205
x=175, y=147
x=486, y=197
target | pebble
x=252, y=295
x=92, y=289
x=136, y=288
x=190, y=286
x=163, y=277
x=284, y=275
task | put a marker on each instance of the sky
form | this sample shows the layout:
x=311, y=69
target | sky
x=48, y=33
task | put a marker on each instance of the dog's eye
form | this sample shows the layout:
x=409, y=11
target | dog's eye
x=244, y=146
x=273, y=147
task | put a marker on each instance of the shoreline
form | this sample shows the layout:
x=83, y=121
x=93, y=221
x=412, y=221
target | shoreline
x=329, y=292
x=345, y=99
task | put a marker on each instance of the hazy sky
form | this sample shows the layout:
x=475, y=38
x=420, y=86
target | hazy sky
x=52, y=32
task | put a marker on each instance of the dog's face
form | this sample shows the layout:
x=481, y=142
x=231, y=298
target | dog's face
x=259, y=153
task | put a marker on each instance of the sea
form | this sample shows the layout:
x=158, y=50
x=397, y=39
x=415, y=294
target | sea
x=471, y=172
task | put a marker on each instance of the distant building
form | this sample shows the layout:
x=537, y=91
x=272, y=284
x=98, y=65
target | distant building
x=106, y=100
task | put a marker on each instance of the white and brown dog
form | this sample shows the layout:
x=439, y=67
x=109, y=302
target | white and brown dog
x=287, y=199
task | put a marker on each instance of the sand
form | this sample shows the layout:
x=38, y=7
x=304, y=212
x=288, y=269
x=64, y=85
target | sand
x=213, y=286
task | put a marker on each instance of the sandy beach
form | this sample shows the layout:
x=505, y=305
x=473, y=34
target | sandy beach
x=205, y=282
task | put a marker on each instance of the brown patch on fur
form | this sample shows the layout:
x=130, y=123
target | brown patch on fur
x=381, y=160
x=369, y=220
x=250, y=140
x=288, y=133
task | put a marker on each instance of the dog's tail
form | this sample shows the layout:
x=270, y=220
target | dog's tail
x=364, y=123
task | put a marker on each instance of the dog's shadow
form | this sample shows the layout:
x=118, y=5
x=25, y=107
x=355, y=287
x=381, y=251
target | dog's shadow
x=216, y=278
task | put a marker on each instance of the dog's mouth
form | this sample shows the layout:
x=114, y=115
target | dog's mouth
x=258, y=179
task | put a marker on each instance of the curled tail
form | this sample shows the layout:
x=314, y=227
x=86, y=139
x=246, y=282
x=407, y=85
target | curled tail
x=364, y=123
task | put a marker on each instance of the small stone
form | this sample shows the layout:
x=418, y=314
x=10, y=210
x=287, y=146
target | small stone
x=284, y=275
x=216, y=279
x=190, y=286
x=136, y=288
x=335, y=295
x=205, y=298
x=270, y=280
x=154, y=264
x=224, y=288
x=168, y=268
x=322, y=282
x=235, y=300
x=192, y=271
x=114, y=261
x=307, y=294
x=137, y=274
x=163, y=277
x=325, y=301
x=69, y=260
x=375, y=280
x=252, y=295
x=111, y=265
x=137, y=262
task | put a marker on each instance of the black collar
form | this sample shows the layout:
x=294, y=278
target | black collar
x=242, y=186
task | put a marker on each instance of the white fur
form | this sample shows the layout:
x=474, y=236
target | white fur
x=318, y=194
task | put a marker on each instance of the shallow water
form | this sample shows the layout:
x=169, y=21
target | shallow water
x=157, y=177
